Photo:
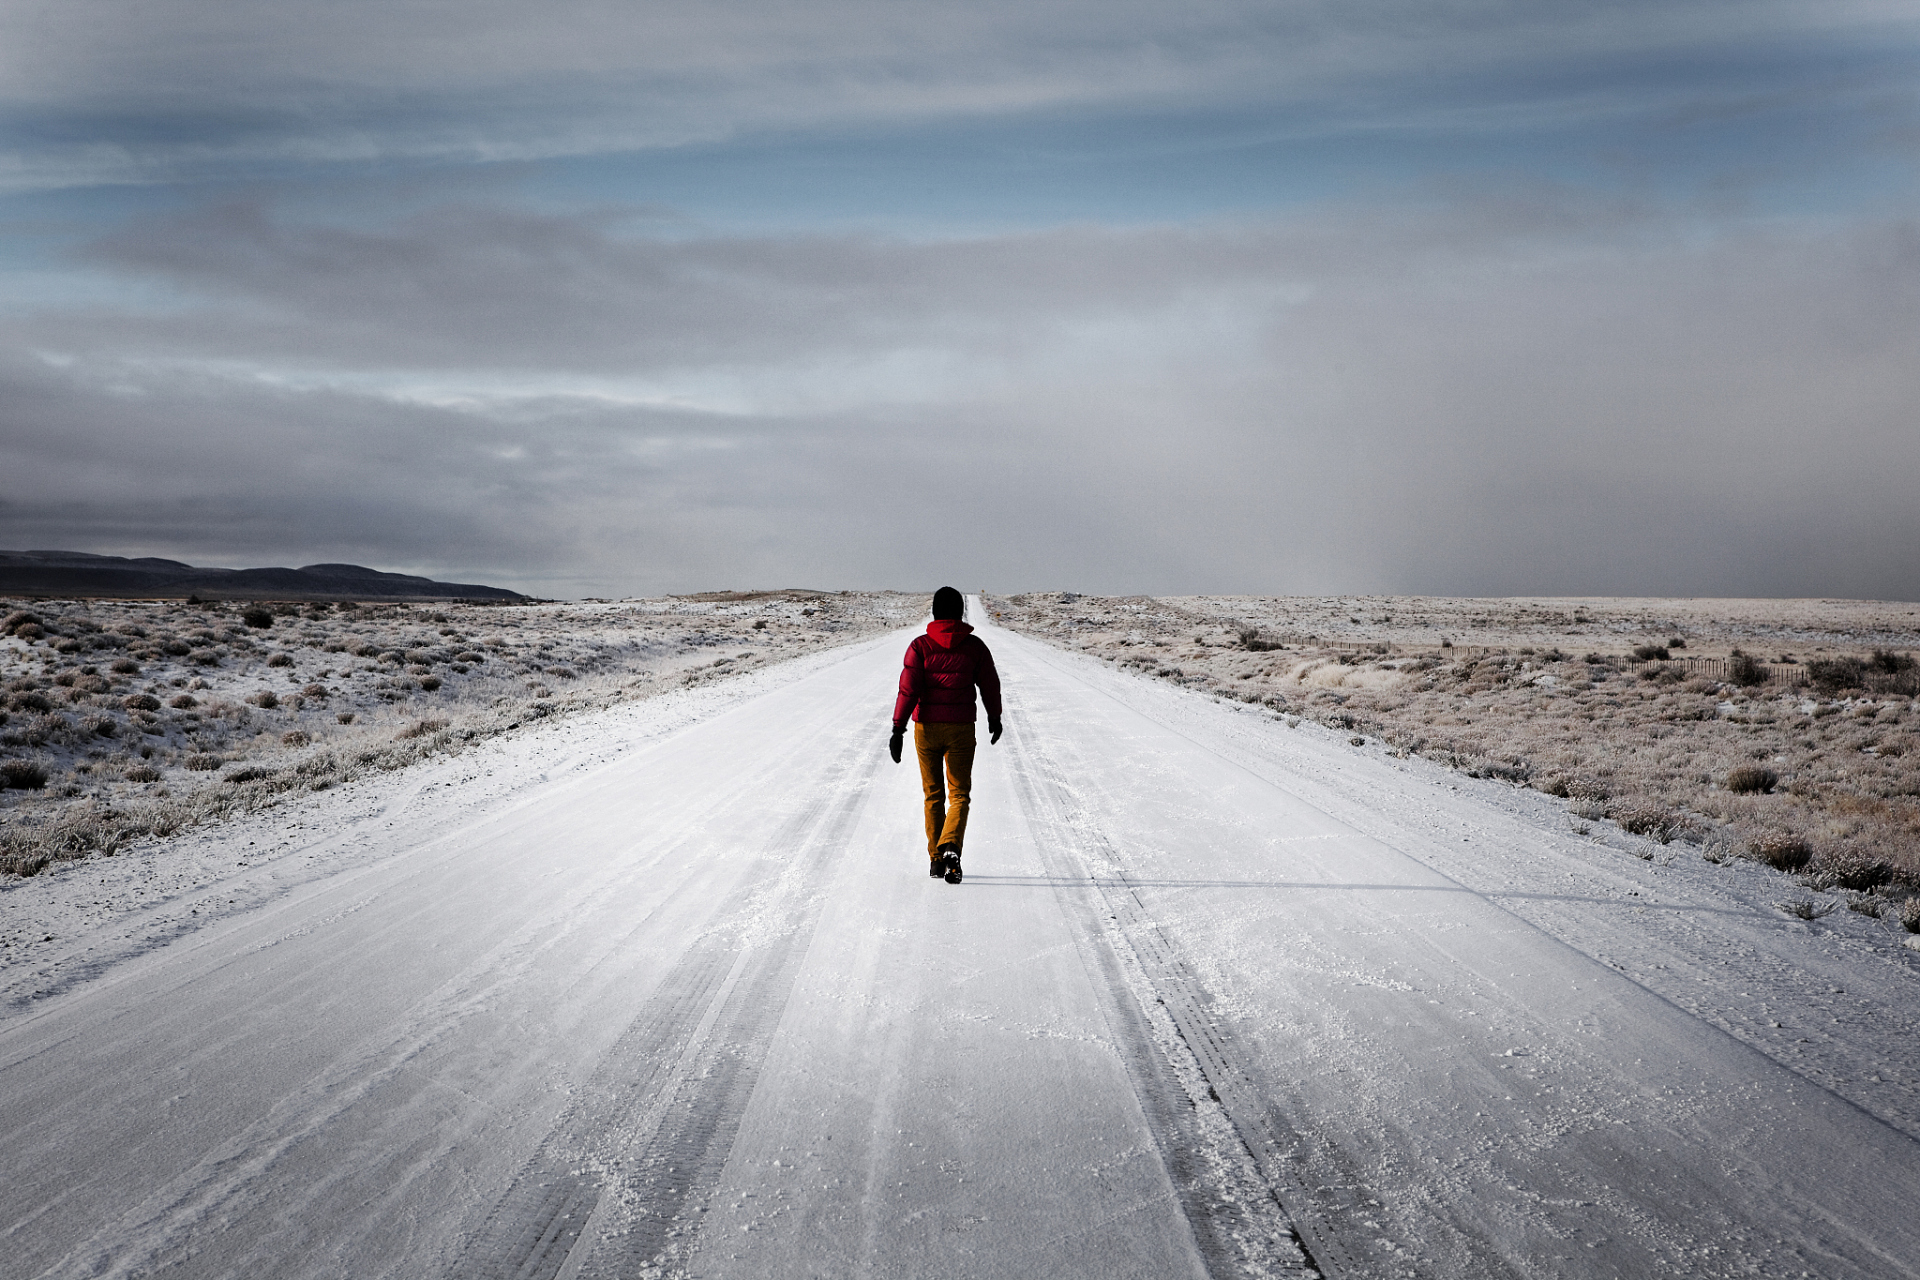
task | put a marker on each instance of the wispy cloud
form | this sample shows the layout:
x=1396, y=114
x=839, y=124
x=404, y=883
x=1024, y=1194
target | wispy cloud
x=116, y=90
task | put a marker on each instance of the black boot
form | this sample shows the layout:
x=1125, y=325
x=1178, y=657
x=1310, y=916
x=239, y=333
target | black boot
x=952, y=861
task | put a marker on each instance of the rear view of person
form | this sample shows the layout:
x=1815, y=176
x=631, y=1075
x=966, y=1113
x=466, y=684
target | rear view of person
x=937, y=681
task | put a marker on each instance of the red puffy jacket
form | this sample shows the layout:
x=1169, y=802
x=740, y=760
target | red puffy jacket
x=941, y=669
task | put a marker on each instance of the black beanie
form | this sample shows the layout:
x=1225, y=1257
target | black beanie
x=948, y=604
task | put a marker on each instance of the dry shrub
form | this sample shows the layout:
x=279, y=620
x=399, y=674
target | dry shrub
x=1650, y=820
x=266, y=698
x=429, y=683
x=249, y=773
x=1831, y=675
x=23, y=863
x=1719, y=848
x=1515, y=771
x=295, y=738
x=258, y=616
x=140, y=702
x=1751, y=779
x=23, y=775
x=103, y=726
x=1848, y=869
x=315, y=690
x=1808, y=909
x=319, y=766
x=1883, y=672
x=1780, y=849
x=201, y=762
x=280, y=660
x=1910, y=915
x=183, y=701
x=421, y=728
x=125, y=667
x=33, y=731
x=143, y=773
x=1745, y=669
x=29, y=700
x=344, y=717
x=27, y=846
x=1250, y=638
x=71, y=833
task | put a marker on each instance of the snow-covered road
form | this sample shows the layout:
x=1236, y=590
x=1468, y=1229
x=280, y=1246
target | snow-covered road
x=1213, y=989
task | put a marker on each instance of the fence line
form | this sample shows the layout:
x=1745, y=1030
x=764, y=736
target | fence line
x=1777, y=672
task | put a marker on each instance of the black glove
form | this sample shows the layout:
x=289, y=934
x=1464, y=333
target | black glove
x=895, y=743
x=993, y=730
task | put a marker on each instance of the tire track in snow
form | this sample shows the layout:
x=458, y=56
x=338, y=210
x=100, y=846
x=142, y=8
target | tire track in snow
x=1654, y=952
x=1769, y=1188
x=619, y=1188
x=1235, y=1158
x=231, y=1183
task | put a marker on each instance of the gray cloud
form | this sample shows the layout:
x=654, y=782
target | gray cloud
x=456, y=288
x=1473, y=390
x=1512, y=398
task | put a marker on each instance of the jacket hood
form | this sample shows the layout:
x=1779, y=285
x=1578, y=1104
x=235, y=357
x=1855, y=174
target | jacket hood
x=946, y=632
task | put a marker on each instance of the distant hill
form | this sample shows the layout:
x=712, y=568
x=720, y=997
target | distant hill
x=78, y=574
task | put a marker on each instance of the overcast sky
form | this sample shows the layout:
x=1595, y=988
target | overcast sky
x=606, y=297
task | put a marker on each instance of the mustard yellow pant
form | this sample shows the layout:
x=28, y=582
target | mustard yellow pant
x=948, y=797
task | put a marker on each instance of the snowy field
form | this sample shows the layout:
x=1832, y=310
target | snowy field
x=125, y=718
x=662, y=988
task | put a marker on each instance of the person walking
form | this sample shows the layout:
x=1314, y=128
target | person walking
x=937, y=680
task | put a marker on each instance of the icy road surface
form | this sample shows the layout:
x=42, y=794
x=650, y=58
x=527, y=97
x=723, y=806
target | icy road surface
x=677, y=997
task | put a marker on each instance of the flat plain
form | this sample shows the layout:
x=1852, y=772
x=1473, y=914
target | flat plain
x=1783, y=730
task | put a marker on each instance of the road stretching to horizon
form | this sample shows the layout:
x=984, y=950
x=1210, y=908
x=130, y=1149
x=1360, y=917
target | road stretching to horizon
x=700, y=1011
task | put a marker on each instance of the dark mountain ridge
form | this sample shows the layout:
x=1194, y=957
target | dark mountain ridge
x=68, y=574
